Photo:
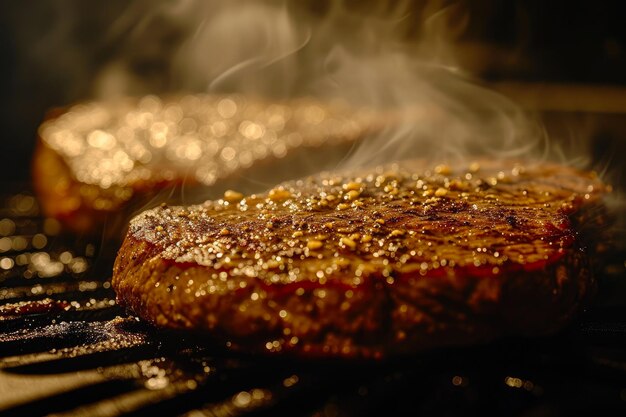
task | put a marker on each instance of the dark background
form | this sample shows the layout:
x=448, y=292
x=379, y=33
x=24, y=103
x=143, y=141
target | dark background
x=51, y=52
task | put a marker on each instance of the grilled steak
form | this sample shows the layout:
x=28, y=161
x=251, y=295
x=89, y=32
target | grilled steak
x=388, y=261
x=100, y=160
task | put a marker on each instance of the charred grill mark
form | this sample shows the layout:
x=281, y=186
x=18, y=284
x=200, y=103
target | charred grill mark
x=512, y=221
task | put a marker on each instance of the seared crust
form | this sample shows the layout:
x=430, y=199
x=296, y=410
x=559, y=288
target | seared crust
x=97, y=161
x=388, y=261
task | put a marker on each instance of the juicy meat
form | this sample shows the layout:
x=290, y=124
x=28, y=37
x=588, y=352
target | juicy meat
x=97, y=161
x=387, y=261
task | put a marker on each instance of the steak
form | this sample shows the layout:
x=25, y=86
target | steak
x=387, y=261
x=99, y=161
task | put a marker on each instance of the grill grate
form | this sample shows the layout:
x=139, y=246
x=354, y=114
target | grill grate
x=66, y=348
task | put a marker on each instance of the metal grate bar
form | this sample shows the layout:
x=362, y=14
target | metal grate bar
x=99, y=311
x=76, y=397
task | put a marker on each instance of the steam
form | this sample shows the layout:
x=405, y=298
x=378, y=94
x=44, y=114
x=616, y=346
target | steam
x=364, y=57
x=394, y=56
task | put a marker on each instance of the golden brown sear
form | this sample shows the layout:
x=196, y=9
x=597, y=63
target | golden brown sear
x=386, y=261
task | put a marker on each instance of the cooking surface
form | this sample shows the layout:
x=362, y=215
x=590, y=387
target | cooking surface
x=67, y=349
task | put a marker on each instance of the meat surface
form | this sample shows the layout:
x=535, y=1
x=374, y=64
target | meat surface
x=99, y=161
x=387, y=261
